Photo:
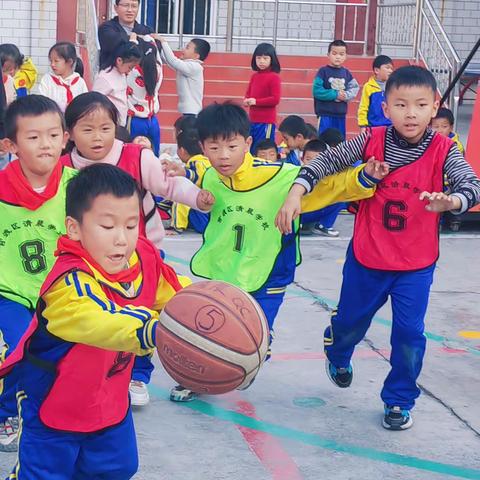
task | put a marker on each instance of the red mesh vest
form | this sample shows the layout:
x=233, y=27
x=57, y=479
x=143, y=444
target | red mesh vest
x=90, y=391
x=393, y=231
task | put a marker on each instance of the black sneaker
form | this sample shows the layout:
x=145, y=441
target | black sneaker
x=397, y=418
x=306, y=229
x=341, y=377
x=182, y=394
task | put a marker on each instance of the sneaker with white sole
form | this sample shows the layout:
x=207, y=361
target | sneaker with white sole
x=327, y=232
x=9, y=435
x=139, y=396
x=182, y=394
x=397, y=418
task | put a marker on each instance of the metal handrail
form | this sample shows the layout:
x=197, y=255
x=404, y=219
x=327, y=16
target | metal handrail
x=442, y=30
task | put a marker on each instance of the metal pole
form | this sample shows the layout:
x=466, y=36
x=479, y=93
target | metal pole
x=458, y=72
x=275, y=23
x=417, y=33
x=229, y=40
x=181, y=13
x=367, y=26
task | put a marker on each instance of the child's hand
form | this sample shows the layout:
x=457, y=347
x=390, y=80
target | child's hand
x=205, y=200
x=249, y=102
x=376, y=169
x=173, y=169
x=158, y=36
x=133, y=37
x=290, y=209
x=342, y=96
x=440, y=202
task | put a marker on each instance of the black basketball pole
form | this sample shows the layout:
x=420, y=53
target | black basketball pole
x=460, y=72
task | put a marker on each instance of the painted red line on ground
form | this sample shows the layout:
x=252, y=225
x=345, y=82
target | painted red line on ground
x=359, y=354
x=266, y=448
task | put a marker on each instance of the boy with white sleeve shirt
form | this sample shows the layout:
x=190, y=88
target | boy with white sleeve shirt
x=189, y=73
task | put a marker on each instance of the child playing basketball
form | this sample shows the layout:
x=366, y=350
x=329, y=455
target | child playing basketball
x=395, y=243
x=241, y=245
x=98, y=308
x=32, y=214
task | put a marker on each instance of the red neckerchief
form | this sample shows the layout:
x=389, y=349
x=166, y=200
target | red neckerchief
x=67, y=87
x=66, y=245
x=17, y=190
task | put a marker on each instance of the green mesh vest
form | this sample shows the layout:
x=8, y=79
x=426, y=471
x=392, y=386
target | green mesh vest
x=241, y=242
x=28, y=239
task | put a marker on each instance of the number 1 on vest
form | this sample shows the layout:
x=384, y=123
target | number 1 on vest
x=239, y=236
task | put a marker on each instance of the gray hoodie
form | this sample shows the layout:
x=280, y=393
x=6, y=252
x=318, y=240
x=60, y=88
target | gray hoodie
x=189, y=81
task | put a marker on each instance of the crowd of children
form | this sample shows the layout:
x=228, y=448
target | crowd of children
x=84, y=198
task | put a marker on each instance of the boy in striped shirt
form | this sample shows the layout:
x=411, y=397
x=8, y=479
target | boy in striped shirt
x=395, y=243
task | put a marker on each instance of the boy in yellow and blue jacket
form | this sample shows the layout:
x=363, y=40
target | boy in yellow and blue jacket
x=443, y=123
x=370, y=110
x=98, y=308
x=190, y=153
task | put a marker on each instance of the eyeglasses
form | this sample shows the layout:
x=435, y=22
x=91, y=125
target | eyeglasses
x=129, y=6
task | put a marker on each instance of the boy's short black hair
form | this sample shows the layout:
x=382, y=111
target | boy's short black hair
x=190, y=142
x=336, y=43
x=95, y=180
x=118, y=1
x=222, y=121
x=202, y=47
x=185, y=123
x=411, y=76
x=265, y=144
x=447, y=114
x=294, y=125
x=29, y=106
x=381, y=60
x=332, y=137
x=312, y=132
x=316, y=145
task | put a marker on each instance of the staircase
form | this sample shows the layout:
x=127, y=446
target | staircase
x=227, y=76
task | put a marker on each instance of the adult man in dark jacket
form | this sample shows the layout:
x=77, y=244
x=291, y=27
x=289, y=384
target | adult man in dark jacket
x=119, y=29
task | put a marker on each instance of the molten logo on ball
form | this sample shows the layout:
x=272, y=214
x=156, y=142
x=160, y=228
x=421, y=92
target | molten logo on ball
x=209, y=319
x=183, y=361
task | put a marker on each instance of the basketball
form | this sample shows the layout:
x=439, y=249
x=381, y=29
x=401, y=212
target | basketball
x=212, y=337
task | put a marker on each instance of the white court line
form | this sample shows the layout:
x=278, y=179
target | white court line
x=319, y=238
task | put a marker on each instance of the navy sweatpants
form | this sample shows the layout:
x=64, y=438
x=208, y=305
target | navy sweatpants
x=326, y=121
x=259, y=132
x=363, y=292
x=325, y=216
x=14, y=321
x=47, y=454
x=270, y=300
x=146, y=127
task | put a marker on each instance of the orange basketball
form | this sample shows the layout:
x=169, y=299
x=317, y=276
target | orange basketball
x=212, y=337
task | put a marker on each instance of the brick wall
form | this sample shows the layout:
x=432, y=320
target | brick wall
x=460, y=19
x=32, y=26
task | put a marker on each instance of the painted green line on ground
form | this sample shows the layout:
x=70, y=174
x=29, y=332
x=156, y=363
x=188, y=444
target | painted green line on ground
x=332, y=303
x=317, y=441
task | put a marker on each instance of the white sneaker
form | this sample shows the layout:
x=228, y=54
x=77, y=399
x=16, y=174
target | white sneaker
x=328, y=232
x=9, y=435
x=139, y=396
